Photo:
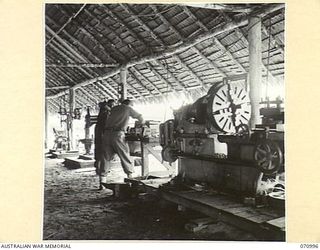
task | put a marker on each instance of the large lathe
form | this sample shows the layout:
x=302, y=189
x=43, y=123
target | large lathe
x=214, y=145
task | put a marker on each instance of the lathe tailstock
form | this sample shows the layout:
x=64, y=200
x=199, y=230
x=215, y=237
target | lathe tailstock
x=214, y=146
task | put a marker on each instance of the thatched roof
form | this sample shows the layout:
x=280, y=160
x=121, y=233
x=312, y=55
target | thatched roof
x=167, y=48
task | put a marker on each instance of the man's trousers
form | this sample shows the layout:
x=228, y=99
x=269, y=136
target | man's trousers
x=114, y=143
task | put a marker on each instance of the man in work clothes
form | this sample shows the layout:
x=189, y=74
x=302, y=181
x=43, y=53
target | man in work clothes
x=114, y=138
x=104, y=112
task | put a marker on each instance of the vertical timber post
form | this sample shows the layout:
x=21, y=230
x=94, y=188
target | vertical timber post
x=123, y=80
x=70, y=116
x=255, y=68
x=46, y=125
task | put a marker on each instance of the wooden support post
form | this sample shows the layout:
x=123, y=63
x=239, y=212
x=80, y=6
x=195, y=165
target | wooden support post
x=123, y=80
x=145, y=159
x=87, y=125
x=70, y=117
x=255, y=68
x=46, y=114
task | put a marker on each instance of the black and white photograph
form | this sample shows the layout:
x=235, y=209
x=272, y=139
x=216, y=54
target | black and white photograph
x=164, y=122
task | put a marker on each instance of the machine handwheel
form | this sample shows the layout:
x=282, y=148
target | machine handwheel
x=243, y=130
x=268, y=156
x=168, y=155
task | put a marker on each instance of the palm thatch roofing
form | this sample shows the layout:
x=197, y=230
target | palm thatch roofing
x=166, y=48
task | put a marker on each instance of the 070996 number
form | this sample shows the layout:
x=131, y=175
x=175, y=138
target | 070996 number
x=309, y=246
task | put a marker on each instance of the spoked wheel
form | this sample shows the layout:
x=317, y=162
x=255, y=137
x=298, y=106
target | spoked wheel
x=268, y=156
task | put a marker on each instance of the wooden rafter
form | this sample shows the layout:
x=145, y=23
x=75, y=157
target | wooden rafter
x=240, y=34
x=138, y=81
x=277, y=42
x=119, y=52
x=118, y=84
x=84, y=59
x=71, y=80
x=159, y=40
x=222, y=7
x=217, y=42
x=80, y=100
x=160, y=77
x=141, y=41
x=101, y=46
x=64, y=43
x=100, y=91
x=137, y=53
x=98, y=94
x=53, y=103
x=107, y=90
x=58, y=87
x=177, y=81
x=88, y=92
x=77, y=43
x=195, y=49
x=89, y=97
x=241, y=21
x=76, y=54
x=57, y=78
x=141, y=23
x=198, y=80
x=69, y=56
x=137, y=74
x=128, y=29
x=64, y=25
x=82, y=65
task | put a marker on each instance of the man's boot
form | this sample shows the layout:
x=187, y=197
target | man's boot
x=103, y=180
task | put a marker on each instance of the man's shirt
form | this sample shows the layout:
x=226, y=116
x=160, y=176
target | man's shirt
x=119, y=117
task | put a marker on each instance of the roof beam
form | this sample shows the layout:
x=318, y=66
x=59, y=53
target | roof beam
x=82, y=29
x=136, y=36
x=137, y=53
x=242, y=21
x=177, y=81
x=82, y=65
x=52, y=103
x=76, y=54
x=58, y=87
x=129, y=87
x=92, y=100
x=79, y=56
x=147, y=80
x=217, y=42
x=65, y=44
x=77, y=43
x=71, y=80
x=138, y=81
x=107, y=90
x=277, y=41
x=101, y=91
x=163, y=19
x=240, y=34
x=141, y=23
x=157, y=38
x=222, y=7
x=66, y=23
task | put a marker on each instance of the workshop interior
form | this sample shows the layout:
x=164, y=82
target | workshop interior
x=208, y=80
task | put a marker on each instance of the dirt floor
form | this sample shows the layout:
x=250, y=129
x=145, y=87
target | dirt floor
x=74, y=209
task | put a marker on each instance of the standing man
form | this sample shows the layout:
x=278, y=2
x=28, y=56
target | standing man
x=114, y=138
x=104, y=112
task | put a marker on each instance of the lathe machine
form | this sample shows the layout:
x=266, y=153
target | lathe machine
x=214, y=146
